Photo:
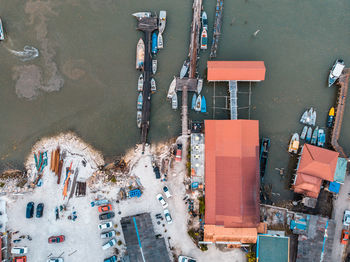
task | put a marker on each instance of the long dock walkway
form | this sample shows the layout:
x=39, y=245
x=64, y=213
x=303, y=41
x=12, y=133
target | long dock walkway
x=217, y=27
x=343, y=91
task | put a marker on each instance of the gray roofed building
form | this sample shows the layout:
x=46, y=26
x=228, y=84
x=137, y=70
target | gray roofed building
x=141, y=242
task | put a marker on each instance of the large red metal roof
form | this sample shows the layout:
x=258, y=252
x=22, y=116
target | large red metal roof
x=232, y=173
x=236, y=70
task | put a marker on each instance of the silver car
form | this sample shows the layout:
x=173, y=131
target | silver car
x=108, y=234
x=109, y=244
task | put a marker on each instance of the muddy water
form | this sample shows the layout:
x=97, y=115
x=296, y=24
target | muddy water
x=83, y=78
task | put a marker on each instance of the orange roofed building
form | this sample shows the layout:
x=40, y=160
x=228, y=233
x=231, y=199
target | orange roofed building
x=315, y=165
x=232, y=182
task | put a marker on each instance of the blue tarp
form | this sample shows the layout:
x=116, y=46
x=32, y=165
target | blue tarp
x=334, y=187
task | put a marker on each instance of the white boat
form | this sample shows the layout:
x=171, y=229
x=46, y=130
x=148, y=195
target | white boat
x=198, y=103
x=140, y=54
x=142, y=14
x=303, y=117
x=154, y=66
x=153, y=85
x=139, y=118
x=172, y=87
x=2, y=34
x=204, y=20
x=174, y=101
x=313, y=118
x=160, y=41
x=199, y=85
x=309, y=116
x=162, y=21
x=303, y=133
x=204, y=39
x=140, y=83
x=294, y=144
x=335, y=72
x=184, y=68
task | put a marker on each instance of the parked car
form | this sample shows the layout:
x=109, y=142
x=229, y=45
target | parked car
x=111, y=259
x=56, y=239
x=168, y=216
x=107, y=215
x=19, y=250
x=108, y=234
x=20, y=259
x=167, y=192
x=156, y=170
x=55, y=259
x=105, y=225
x=178, y=156
x=109, y=244
x=30, y=210
x=186, y=259
x=344, y=236
x=105, y=208
x=39, y=210
x=162, y=201
x=346, y=218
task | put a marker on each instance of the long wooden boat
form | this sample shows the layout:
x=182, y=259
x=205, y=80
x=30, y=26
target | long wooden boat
x=264, y=153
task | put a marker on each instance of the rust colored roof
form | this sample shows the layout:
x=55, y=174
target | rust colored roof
x=213, y=233
x=236, y=70
x=232, y=173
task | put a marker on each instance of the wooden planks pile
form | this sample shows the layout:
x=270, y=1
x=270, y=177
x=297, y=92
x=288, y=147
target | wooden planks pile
x=56, y=164
x=80, y=189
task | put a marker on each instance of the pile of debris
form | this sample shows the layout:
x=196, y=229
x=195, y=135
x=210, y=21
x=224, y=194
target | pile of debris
x=13, y=181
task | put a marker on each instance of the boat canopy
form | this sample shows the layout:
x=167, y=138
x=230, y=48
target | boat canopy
x=338, y=69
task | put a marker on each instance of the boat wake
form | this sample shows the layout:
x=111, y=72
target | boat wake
x=28, y=53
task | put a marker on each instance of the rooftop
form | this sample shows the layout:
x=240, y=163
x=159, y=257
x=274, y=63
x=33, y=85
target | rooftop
x=272, y=248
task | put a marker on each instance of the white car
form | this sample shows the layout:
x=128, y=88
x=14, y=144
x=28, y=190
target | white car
x=346, y=218
x=55, y=259
x=108, y=234
x=168, y=216
x=167, y=192
x=109, y=244
x=162, y=201
x=186, y=259
x=105, y=225
x=19, y=250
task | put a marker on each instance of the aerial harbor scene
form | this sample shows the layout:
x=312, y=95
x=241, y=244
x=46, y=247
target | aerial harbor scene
x=184, y=131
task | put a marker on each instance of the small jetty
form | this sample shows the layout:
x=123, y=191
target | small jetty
x=190, y=83
x=217, y=27
x=343, y=91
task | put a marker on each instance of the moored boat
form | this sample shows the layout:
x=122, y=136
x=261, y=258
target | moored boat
x=204, y=20
x=140, y=54
x=204, y=39
x=154, y=43
x=172, y=87
x=203, y=105
x=294, y=144
x=199, y=85
x=309, y=116
x=154, y=66
x=303, y=133
x=2, y=34
x=198, y=103
x=321, y=137
x=264, y=151
x=139, y=118
x=313, y=118
x=153, y=85
x=184, y=68
x=194, y=99
x=330, y=117
x=139, y=101
x=160, y=41
x=140, y=83
x=162, y=21
x=308, y=135
x=303, y=117
x=335, y=72
x=314, y=136
x=142, y=14
x=174, y=102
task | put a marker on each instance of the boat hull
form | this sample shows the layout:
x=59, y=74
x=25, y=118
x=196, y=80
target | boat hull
x=140, y=83
x=171, y=90
x=154, y=43
x=174, y=102
x=2, y=34
x=264, y=152
x=194, y=99
x=139, y=118
x=198, y=103
x=154, y=66
x=140, y=54
x=308, y=135
x=203, y=105
x=139, y=101
x=184, y=69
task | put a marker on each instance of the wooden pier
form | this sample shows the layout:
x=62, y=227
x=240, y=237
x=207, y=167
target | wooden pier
x=217, y=27
x=190, y=83
x=343, y=91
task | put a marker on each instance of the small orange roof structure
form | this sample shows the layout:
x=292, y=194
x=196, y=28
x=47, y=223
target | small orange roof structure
x=231, y=180
x=253, y=71
x=315, y=165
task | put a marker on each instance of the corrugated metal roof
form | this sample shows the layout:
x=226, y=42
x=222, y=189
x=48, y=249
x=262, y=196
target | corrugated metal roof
x=236, y=70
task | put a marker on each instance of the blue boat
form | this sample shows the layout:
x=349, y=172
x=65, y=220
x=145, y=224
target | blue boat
x=321, y=138
x=264, y=152
x=139, y=101
x=154, y=43
x=308, y=135
x=194, y=98
x=203, y=105
x=314, y=136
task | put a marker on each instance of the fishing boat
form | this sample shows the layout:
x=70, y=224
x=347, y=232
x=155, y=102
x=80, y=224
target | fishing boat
x=139, y=101
x=184, y=68
x=160, y=41
x=321, y=137
x=330, y=117
x=194, y=99
x=139, y=118
x=313, y=118
x=2, y=34
x=294, y=144
x=162, y=21
x=264, y=152
x=154, y=66
x=314, y=136
x=335, y=72
x=154, y=43
x=303, y=117
x=303, y=133
x=309, y=116
x=172, y=87
x=204, y=39
x=174, y=101
x=204, y=20
x=140, y=54
x=140, y=83
x=197, y=107
x=203, y=105
x=199, y=85
x=308, y=135
x=142, y=14
x=153, y=85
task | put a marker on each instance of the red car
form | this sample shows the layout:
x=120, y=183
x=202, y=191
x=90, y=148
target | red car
x=344, y=237
x=20, y=259
x=105, y=208
x=56, y=239
x=178, y=156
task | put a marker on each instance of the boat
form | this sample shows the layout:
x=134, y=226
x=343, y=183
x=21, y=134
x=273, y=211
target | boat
x=162, y=21
x=140, y=83
x=194, y=99
x=309, y=116
x=139, y=101
x=140, y=54
x=303, y=117
x=154, y=43
x=139, y=118
x=203, y=105
x=314, y=136
x=153, y=85
x=330, y=117
x=308, y=135
x=204, y=39
x=335, y=72
x=264, y=152
x=313, y=118
x=174, y=101
x=199, y=85
x=197, y=107
x=184, y=68
x=160, y=41
x=303, y=133
x=321, y=137
x=172, y=87
x=2, y=34
x=142, y=14
x=204, y=20
x=294, y=144
x=154, y=66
